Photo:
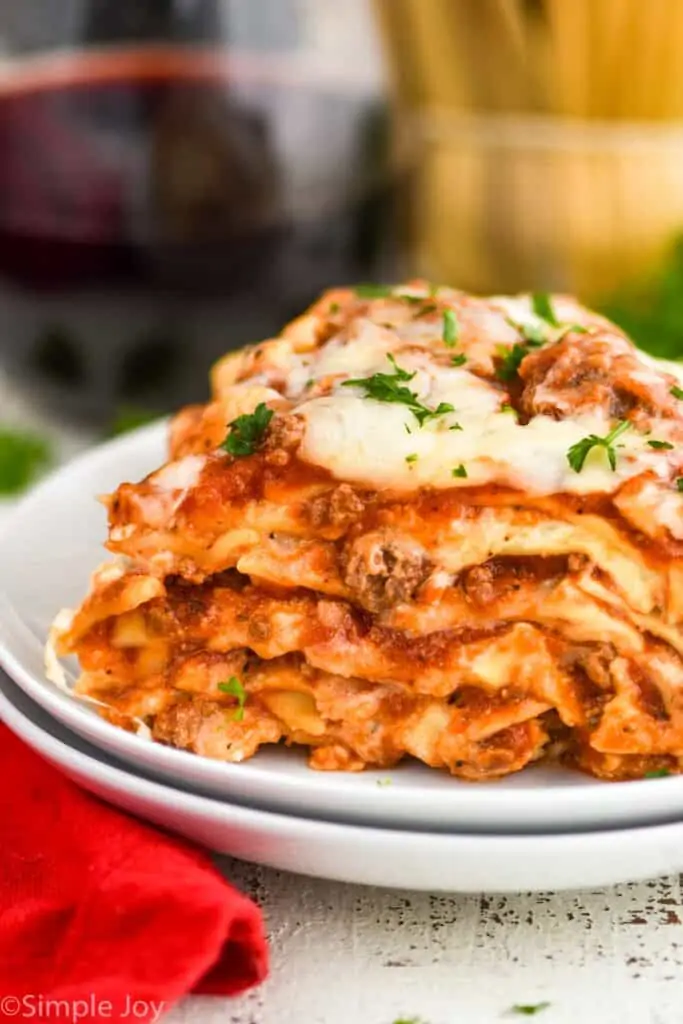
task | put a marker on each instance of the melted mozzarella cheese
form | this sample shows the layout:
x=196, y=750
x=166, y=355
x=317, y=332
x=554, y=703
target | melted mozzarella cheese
x=381, y=444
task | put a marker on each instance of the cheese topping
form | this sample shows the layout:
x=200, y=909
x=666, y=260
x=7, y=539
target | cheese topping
x=360, y=439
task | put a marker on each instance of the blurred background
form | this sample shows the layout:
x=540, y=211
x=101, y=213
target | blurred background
x=180, y=177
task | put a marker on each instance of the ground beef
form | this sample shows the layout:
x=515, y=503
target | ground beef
x=493, y=579
x=597, y=370
x=283, y=438
x=340, y=507
x=381, y=571
x=179, y=725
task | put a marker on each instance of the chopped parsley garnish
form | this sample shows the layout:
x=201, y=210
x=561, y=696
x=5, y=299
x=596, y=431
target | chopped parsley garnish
x=22, y=457
x=569, y=329
x=459, y=360
x=130, y=417
x=373, y=291
x=506, y=407
x=577, y=454
x=334, y=308
x=236, y=690
x=529, y=1009
x=533, y=334
x=679, y=484
x=247, y=432
x=677, y=392
x=511, y=358
x=459, y=471
x=411, y=458
x=657, y=773
x=384, y=782
x=663, y=445
x=543, y=308
x=451, y=329
x=390, y=387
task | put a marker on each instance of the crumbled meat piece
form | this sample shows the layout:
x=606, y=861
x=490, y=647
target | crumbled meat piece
x=595, y=371
x=284, y=433
x=382, y=572
x=493, y=579
x=341, y=507
x=211, y=730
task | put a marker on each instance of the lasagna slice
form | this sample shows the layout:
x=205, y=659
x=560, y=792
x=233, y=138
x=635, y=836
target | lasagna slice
x=415, y=523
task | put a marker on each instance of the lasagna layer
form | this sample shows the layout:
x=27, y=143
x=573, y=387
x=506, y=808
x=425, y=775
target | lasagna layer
x=415, y=524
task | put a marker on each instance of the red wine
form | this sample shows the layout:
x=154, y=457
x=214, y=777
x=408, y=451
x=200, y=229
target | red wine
x=160, y=205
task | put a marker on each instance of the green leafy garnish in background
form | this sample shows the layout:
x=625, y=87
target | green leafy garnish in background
x=23, y=456
x=130, y=417
x=650, y=310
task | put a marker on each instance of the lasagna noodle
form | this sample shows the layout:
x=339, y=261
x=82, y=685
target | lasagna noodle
x=371, y=603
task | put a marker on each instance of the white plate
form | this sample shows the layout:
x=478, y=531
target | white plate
x=349, y=853
x=47, y=550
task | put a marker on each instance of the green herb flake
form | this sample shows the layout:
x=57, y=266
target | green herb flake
x=533, y=334
x=569, y=329
x=506, y=407
x=247, y=432
x=511, y=359
x=529, y=1009
x=373, y=291
x=459, y=471
x=657, y=773
x=23, y=455
x=577, y=454
x=385, y=782
x=390, y=387
x=411, y=458
x=679, y=484
x=677, y=392
x=459, y=360
x=130, y=417
x=334, y=308
x=660, y=445
x=543, y=308
x=234, y=688
x=451, y=328
x=455, y=426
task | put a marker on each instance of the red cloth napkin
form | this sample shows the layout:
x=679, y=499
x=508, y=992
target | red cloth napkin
x=111, y=915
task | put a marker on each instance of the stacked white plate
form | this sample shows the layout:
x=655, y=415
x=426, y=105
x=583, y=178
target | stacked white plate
x=412, y=827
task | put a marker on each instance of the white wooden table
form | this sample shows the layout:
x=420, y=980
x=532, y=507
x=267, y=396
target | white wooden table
x=343, y=954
